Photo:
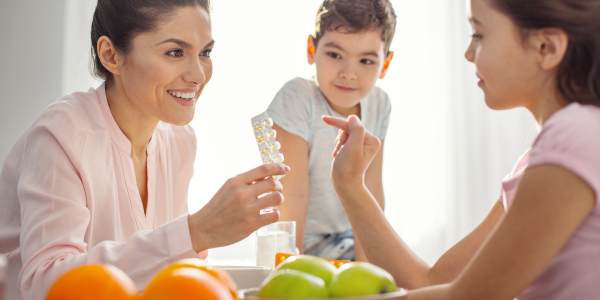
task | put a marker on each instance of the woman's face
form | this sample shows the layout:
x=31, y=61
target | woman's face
x=506, y=66
x=166, y=70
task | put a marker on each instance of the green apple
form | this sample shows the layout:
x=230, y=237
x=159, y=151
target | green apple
x=293, y=284
x=311, y=265
x=361, y=279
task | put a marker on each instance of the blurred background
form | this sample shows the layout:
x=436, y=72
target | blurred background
x=445, y=151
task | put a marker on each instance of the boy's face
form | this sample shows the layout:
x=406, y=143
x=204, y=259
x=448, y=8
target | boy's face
x=348, y=65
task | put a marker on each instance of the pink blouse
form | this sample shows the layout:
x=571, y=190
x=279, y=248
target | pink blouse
x=570, y=139
x=69, y=197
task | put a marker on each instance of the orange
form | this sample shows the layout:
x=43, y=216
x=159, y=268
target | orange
x=98, y=282
x=186, y=284
x=217, y=273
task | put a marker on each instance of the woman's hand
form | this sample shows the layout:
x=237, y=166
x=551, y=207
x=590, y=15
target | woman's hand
x=354, y=151
x=234, y=212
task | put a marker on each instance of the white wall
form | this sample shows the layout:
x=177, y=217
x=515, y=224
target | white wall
x=258, y=47
x=31, y=56
x=446, y=150
x=445, y=153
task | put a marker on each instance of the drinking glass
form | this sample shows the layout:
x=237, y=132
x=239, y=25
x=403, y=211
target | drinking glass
x=275, y=238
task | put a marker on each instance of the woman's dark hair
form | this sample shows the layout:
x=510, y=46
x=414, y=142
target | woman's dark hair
x=356, y=16
x=122, y=20
x=578, y=76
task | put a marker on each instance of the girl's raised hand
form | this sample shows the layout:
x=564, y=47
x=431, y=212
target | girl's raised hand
x=354, y=150
x=234, y=211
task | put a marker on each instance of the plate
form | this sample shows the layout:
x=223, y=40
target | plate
x=251, y=294
x=247, y=277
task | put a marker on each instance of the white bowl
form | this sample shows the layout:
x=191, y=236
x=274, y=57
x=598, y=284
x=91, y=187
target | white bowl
x=247, y=277
x=252, y=294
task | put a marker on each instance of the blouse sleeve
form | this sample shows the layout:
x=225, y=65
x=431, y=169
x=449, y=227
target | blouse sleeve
x=55, y=220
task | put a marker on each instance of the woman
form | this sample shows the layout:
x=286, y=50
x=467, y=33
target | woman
x=102, y=176
x=542, y=240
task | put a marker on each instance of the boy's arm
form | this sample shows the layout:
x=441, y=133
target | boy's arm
x=374, y=182
x=295, y=183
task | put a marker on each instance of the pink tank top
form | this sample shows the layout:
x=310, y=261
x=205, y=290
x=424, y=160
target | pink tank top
x=570, y=139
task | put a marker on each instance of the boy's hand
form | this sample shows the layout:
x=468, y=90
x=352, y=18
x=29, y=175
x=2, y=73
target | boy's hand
x=354, y=150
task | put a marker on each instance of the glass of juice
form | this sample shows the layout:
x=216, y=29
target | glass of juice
x=275, y=238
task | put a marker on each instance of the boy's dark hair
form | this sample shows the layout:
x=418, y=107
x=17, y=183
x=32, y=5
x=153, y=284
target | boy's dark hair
x=355, y=16
x=122, y=20
x=578, y=76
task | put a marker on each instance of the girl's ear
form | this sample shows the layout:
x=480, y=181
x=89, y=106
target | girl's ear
x=386, y=64
x=108, y=55
x=310, y=50
x=551, y=46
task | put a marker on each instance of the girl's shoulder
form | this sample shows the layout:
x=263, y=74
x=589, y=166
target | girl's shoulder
x=571, y=139
x=575, y=123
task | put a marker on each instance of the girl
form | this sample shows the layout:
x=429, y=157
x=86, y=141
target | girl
x=102, y=176
x=542, y=241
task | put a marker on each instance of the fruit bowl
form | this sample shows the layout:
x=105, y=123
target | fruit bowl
x=252, y=294
x=247, y=277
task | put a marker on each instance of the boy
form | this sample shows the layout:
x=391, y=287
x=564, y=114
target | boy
x=350, y=50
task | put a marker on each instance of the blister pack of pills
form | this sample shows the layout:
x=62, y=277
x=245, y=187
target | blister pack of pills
x=265, y=138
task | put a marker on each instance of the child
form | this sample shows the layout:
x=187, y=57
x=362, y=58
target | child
x=350, y=49
x=542, y=240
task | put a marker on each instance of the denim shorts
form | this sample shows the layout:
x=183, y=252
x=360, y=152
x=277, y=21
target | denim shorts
x=338, y=246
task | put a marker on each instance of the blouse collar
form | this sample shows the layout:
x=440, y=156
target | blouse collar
x=114, y=130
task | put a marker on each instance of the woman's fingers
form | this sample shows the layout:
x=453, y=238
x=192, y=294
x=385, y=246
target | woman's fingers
x=234, y=212
x=265, y=186
x=264, y=171
x=268, y=217
x=269, y=200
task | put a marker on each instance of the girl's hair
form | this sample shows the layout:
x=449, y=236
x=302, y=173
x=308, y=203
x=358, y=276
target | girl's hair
x=356, y=16
x=578, y=76
x=122, y=20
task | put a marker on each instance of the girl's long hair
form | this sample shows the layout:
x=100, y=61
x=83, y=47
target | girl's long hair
x=578, y=76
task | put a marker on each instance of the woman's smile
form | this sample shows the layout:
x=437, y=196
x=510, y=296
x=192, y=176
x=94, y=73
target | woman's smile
x=185, y=97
